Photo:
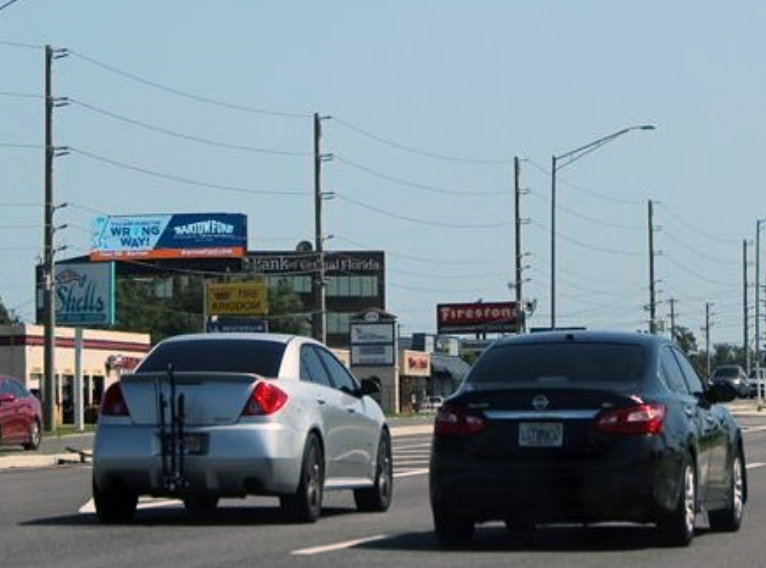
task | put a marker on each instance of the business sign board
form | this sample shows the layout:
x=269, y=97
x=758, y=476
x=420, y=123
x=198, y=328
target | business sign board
x=245, y=298
x=84, y=294
x=234, y=325
x=416, y=364
x=373, y=355
x=185, y=235
x=477, y=317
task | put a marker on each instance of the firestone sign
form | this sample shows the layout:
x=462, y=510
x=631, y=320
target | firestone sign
x=477, y=317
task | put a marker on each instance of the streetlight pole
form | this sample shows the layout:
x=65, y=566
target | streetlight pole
x=557, y=163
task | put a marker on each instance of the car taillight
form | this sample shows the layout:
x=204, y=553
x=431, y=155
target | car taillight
x=266, y=398
x=114, y=403
x=634, y=420
x=453, y=420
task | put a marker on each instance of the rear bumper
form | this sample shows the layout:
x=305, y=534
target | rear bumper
x=599, y=490
x=235, y=461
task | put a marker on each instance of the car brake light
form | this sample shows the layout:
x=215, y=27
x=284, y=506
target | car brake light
x=114, y=403
x=643, y=419
x=266, y=398
x=453, y=420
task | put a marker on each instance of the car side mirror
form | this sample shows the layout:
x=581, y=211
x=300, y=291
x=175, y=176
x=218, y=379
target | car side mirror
x=370, y=386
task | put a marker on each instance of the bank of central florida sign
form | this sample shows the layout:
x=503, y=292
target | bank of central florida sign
x=187, y=235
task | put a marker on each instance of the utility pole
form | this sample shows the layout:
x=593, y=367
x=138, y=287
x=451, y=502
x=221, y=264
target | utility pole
x=49, y=367
x=49, y=283
x=745, y=338
x=320, y=314
x=672, y=319
x=652, y=307
x=707, y=336
x=522, y=315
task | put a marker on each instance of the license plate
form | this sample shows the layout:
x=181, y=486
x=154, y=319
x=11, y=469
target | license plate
x=541, y=434
x=193, y=444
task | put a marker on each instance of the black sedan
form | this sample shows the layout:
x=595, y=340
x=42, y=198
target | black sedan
x=586, y=427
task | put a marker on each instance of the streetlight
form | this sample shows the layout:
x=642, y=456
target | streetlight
x=568, y=158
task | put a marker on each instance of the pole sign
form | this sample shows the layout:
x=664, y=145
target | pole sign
x=84, y=294
x=246, y=298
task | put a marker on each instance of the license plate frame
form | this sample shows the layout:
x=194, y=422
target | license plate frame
x=193, y=444
x=541, y=434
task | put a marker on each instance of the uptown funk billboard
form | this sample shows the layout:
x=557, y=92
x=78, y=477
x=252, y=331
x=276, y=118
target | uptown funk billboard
x=185, y=235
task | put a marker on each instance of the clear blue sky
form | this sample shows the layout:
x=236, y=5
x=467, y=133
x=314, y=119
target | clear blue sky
x=198, y=106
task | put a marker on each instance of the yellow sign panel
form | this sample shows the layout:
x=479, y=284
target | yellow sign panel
x=248, y=298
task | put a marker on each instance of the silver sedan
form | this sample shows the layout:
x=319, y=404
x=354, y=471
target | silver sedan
x=206, y=416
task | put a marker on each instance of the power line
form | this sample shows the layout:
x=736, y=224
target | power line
x=180, y=179
x=188, y=137
x=187, y=95
x=419, y=152
x=425, y=187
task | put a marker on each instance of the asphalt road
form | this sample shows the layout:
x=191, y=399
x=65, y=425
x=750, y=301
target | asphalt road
x=46, y=520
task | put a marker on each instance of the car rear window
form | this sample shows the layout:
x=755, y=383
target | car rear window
x=234, y=356
x=560, y=362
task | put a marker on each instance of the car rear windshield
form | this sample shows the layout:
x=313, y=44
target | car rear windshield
x=560, y=362
x=234, y=356
x=726, y=372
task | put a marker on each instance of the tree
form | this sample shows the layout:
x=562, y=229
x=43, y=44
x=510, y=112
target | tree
x=7, y=316
x=286, y=311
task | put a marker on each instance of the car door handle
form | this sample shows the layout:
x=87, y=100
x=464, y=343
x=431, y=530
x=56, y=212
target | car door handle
x=321, y=401
x=351, y=409
x=689, y=412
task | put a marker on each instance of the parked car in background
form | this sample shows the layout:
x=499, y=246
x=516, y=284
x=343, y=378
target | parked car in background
x=735, y=375
x=207, y=416
x=586, y=427
x=20, y=415
x=757, y=378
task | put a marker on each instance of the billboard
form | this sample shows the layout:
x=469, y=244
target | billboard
x=477, y=317
x=84, y=294
x=185, y=235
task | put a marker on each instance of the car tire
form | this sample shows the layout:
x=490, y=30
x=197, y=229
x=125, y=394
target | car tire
x=35, y=437
x=730, y=518
x=677, y=527
x=452, y=528
x=199, y=504
x=305, y=505
x=114, y=503
x=378, y=498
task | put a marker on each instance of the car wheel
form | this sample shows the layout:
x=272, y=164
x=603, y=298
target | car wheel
x=35, y=437
x=305, y=504
x=378, y=498
x=201, y=503
x=677, y=527
x=452, y=528
x=114, y=503
x=730, y=517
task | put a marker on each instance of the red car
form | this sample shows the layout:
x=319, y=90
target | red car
x=20, y=415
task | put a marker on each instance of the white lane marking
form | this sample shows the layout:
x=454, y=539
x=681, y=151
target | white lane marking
x=749, y=429
x=143, y=503
x=754, y=465
x=411, y=472
x=336, y=546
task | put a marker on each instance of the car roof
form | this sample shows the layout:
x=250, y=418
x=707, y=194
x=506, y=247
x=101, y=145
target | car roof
x=585, y=336
x=240, y=336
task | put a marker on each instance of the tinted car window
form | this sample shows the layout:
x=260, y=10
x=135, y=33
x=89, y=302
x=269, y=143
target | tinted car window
x=234, y=356
x=312, y=369
x=690, y=375
x=577, y=362
x=671, y=372
x=340, y=376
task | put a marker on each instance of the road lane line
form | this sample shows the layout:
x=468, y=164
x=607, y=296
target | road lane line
x=754, y=465
x=336, y=546
x=411, y=472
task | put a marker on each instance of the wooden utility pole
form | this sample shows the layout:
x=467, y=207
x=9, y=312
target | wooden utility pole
x=319, y=318
x=652, y=307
